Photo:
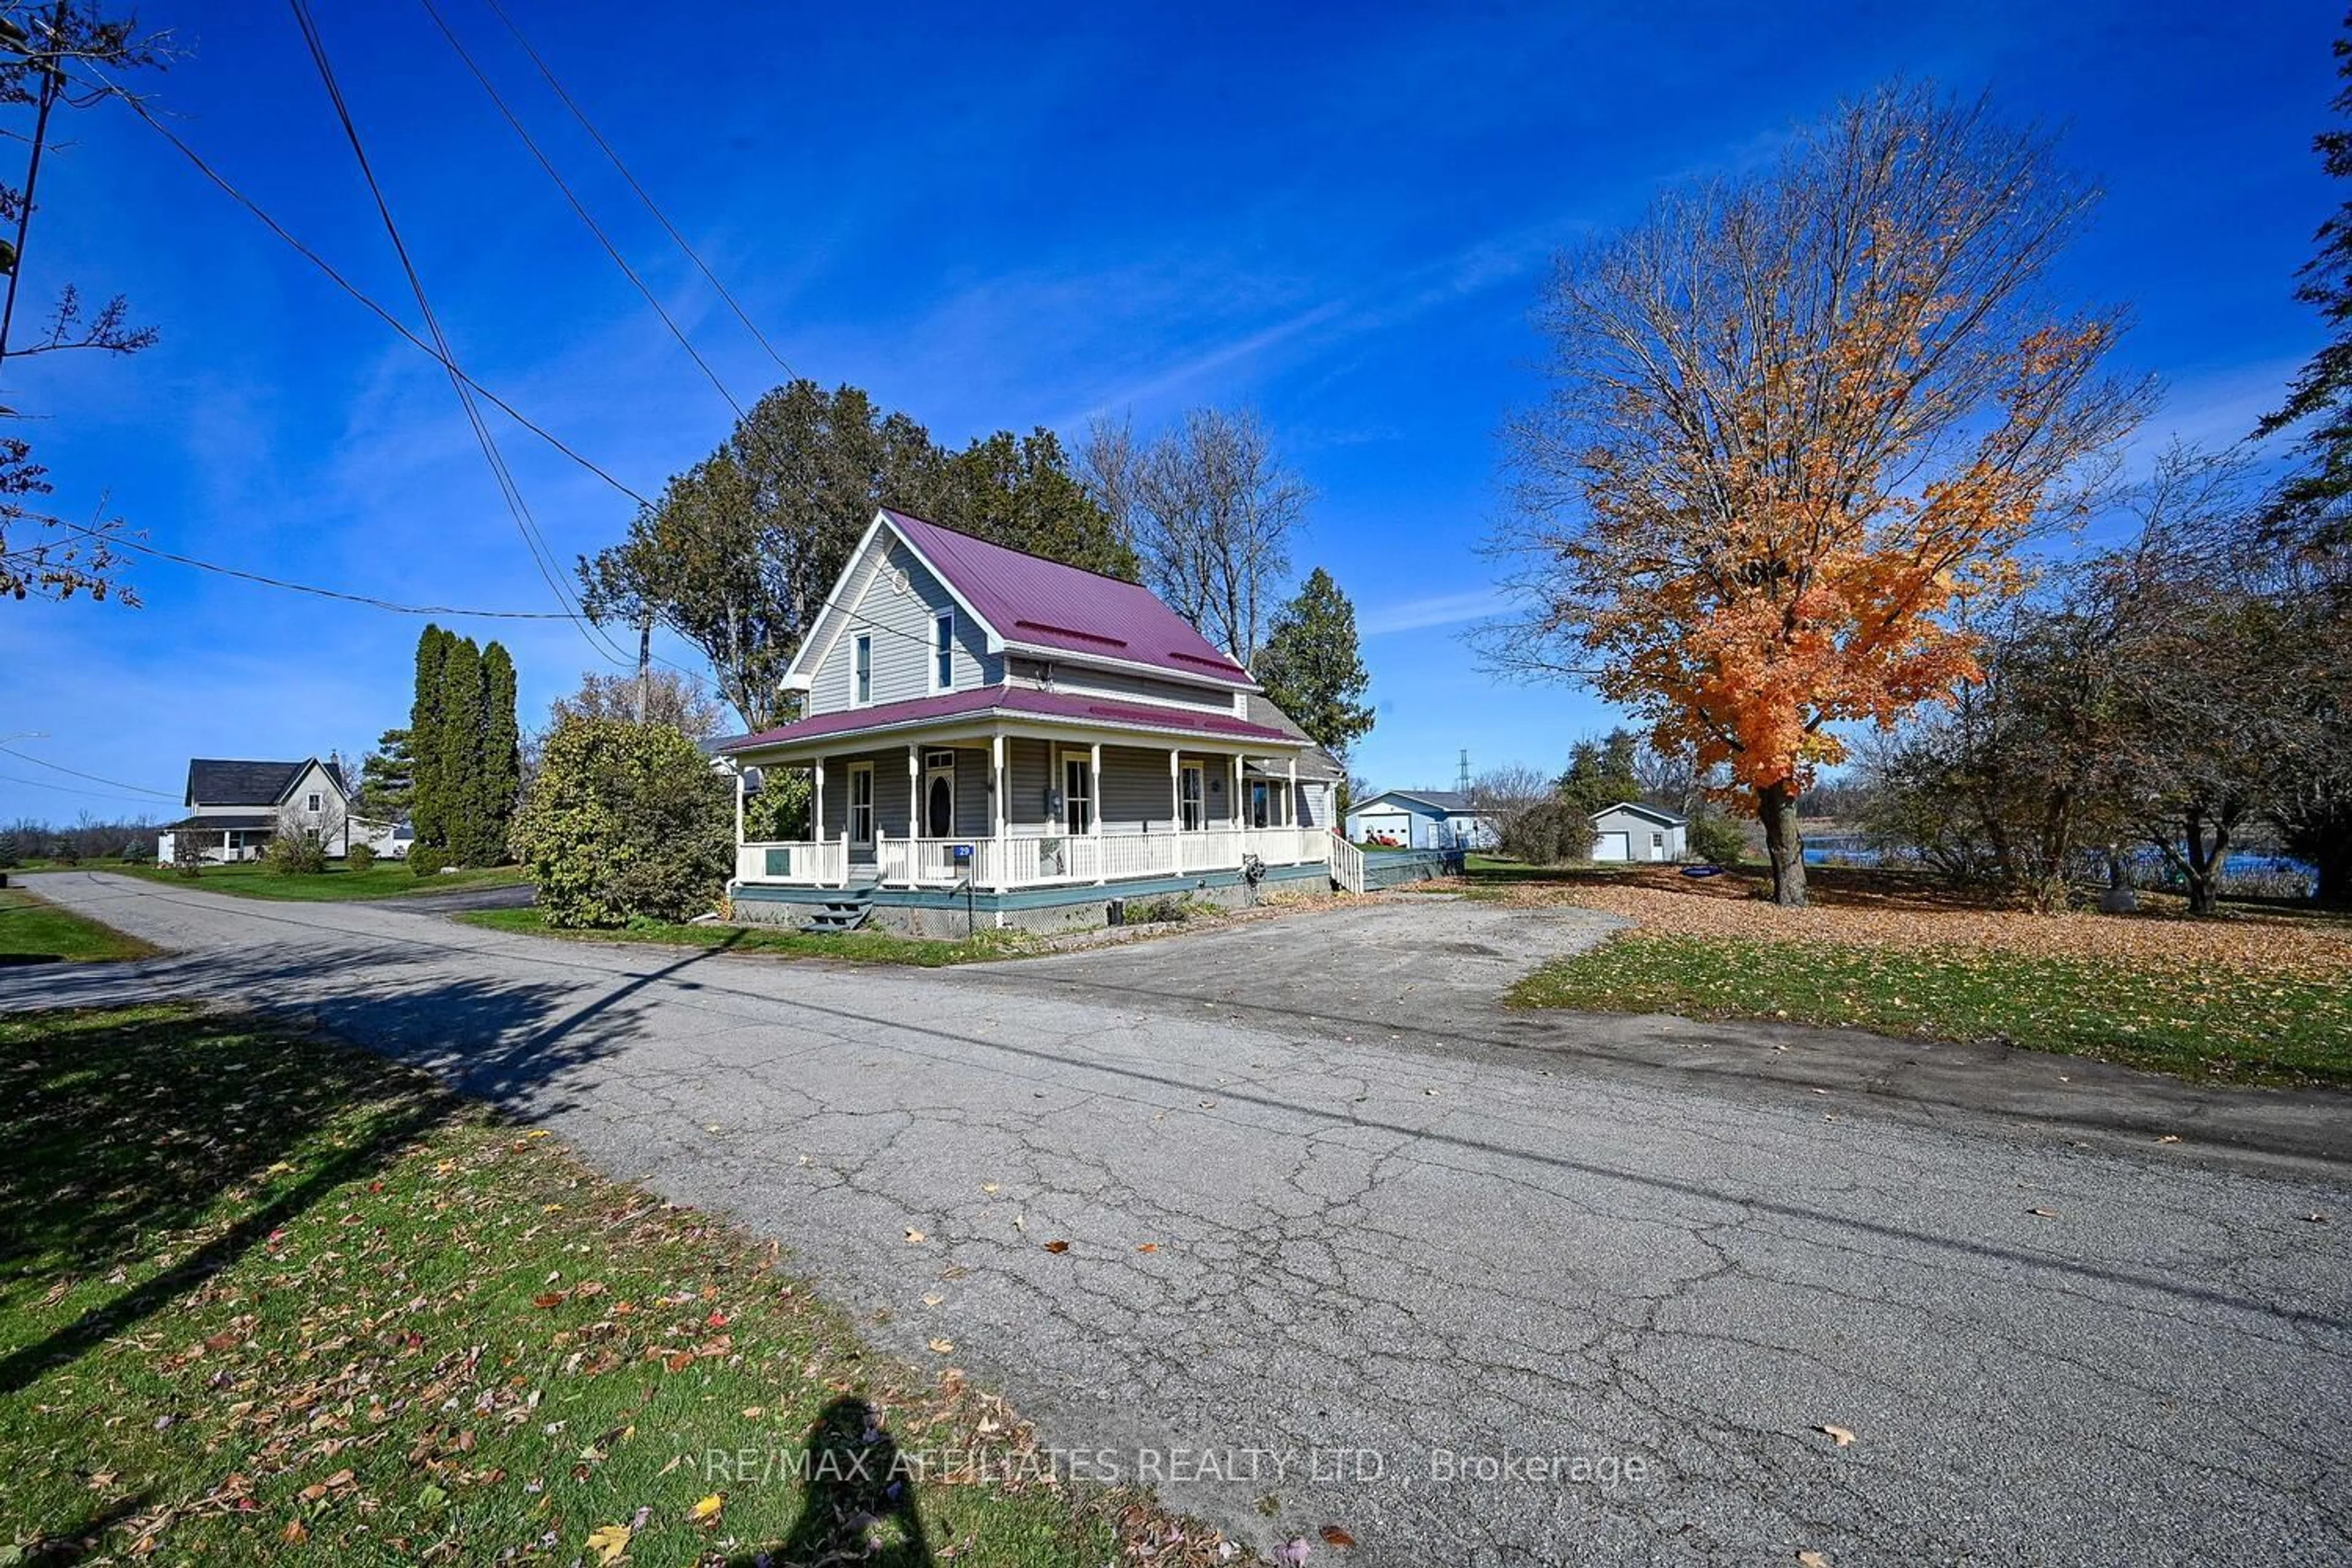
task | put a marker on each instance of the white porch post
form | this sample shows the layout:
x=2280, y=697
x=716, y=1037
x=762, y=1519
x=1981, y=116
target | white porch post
x=1233, y=796
x=816, y=804
x=914, y=811
x=1000, y=795
x=1292, y=810
x=1175, y=812
x=739, y=804
x=1095, y=803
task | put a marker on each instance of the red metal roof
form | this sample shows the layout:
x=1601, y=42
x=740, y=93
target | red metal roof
x=1029, y=599
x=1011, y=699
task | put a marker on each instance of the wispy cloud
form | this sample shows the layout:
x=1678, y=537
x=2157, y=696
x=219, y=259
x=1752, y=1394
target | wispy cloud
x=1435, y=610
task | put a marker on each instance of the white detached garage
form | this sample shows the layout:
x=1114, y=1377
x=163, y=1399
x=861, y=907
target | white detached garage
x=1631, y=831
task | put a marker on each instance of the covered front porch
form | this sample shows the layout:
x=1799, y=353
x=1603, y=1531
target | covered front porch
x=1005, y=809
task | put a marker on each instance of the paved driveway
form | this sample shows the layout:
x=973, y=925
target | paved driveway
x=1392, y=1267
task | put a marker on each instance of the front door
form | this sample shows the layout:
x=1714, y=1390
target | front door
x=1261, y=804
x=939, y=806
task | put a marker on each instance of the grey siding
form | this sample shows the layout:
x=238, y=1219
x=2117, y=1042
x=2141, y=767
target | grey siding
x=1315, y=805
x=900, y=624
x=972, y=794
x=1083, y=681
x=890, y=796
x=1136, y=795
x=1032, y=765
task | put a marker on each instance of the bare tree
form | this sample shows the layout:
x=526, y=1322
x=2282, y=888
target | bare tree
x=63, y=55
x=1210, y=508
x=1798, y=422
x=652, y=696
x=1532, y=820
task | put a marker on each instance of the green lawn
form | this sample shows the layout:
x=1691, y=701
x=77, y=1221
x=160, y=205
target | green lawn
x=861, y=946
x=34, y=931
x=257, y=1289
x=2205, y=1023
x=384, y=880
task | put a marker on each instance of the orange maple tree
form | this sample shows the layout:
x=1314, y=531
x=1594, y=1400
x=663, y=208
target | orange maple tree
x=1799, y=422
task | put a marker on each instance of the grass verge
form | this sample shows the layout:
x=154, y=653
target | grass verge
x=260, y=1290
x=384, y=880
x=2206, y=1024
x=34, y=931
x=858, y=946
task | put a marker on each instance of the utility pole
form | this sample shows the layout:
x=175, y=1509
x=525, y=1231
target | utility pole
x=645, y=664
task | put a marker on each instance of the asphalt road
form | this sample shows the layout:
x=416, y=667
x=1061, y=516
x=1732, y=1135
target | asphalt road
x=1406, y=1244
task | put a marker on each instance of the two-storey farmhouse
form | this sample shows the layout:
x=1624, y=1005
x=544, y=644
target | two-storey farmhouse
x=235, y=807
x=1000, y=738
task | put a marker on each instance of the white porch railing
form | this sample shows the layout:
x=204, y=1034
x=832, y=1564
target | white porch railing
x=1346, y=865
x=1032, y=860
x=819, y=864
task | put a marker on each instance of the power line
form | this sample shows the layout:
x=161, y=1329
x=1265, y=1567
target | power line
x=580, y=208
x=69, y=789
x=76, y=773
x=118, y=540
x=671, y=229
x=237, y=195
x=542, y=555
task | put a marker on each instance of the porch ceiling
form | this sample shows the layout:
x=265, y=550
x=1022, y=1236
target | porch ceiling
x=1010, y=710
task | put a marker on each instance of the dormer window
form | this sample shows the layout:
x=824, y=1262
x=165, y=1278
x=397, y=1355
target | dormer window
x=943, y=651
x=861, y=678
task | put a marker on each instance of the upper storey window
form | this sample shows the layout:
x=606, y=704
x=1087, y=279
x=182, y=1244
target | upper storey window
x=943, y=651
x=861, y=669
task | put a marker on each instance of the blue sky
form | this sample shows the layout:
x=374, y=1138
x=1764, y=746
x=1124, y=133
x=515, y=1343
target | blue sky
x=987, y=217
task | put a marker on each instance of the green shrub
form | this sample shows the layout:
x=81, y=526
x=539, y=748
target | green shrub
x=625, y=821
x=9, y=851
x=1717, y=839
x=1548, y=832
x=296, y=855
x=359, y=858
x=424, y=860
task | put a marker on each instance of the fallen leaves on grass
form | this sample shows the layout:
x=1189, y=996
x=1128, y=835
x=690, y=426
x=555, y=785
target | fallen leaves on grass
x=1667, y=904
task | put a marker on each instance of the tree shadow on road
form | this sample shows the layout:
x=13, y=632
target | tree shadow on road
x=191, y=1135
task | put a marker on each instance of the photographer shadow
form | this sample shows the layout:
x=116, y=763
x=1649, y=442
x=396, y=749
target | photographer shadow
x=855, y=1496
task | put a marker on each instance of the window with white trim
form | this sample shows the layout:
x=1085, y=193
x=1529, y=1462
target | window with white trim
x=861, y=669
x=317, y=804
x=861, y=803
x=1077, y=792
x=1191, y=807
x=943, y=651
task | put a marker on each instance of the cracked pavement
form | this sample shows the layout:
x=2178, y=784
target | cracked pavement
x=1394, y=1223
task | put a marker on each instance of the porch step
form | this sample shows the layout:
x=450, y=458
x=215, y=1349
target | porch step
x=845, y=910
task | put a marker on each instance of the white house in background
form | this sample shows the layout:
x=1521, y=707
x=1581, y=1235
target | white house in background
x=997, y=739
x=235, y=807
x=1423, y=820
x=1631, y=831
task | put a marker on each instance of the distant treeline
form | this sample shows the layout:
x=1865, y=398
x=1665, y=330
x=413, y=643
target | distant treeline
x=87, y=838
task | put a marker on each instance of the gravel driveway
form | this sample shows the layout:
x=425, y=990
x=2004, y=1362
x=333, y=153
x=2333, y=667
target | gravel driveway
x=1477, y=1289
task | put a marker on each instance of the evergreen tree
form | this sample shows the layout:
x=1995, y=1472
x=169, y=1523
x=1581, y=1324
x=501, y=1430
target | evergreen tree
x=458, y=751
x=387, y=778
x=1312, y=666
x=1602, y=773
x=2317, y=503
x=427, y=796
x=499, y=780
